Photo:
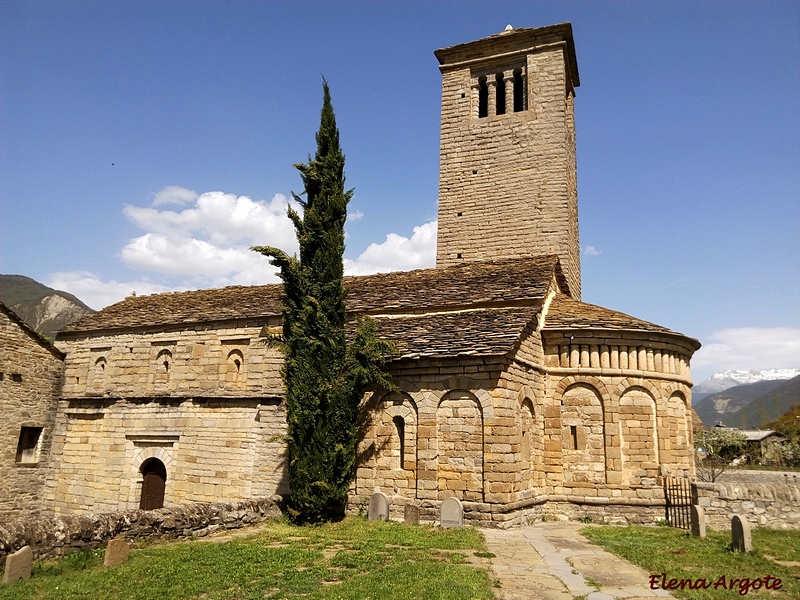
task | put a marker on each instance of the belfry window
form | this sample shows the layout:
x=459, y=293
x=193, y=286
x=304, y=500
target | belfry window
x=483, y=98
x=500, y=94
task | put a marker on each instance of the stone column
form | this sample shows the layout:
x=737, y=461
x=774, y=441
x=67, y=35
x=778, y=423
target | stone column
x=508, y=82
x=491, y=83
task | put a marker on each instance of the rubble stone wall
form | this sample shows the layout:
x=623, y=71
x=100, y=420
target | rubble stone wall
x=49, y=537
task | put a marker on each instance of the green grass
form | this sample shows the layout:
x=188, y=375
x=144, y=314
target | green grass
x=355, y=559
x=674, y=552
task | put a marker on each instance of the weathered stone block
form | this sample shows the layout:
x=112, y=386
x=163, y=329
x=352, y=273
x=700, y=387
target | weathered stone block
x=18, y=565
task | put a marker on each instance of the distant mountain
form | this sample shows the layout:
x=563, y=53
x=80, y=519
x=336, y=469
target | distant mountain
x=767, y=407
x=44, y=309
x=788, y=423
x=724, y=380
x=722, y=405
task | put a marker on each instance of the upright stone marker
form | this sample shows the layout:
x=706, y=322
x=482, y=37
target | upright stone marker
x=411, y=514
x=740, y=534
x=378, y=507
x=117, y=553
x=18, y=565
x=698, y=520
x=452, y=513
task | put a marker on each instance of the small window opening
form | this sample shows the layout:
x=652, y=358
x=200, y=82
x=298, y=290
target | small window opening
x=500, y=94
x=458, y=255
x=28, y=444
x=400, y=425
x=573, y=437
x=463, y=95
x=483, y=98
x=238, y=364
x=475, y=172
x=2, y=376
x=459, y=214
x=519, y=91
x=166, y=365
x=16, y=377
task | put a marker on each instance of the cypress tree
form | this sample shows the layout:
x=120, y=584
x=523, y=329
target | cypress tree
x=325, y=377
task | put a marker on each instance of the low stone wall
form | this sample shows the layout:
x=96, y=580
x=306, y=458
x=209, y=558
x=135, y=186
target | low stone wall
x=773, y=505
x=56, y=536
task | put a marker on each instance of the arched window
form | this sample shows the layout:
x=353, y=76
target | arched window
x=519, y=91
x=234, y=366
x=500, y=94
x=483, y=97
x=154, y=481
x=98, y=374
x=400, y=427
x=163, y=361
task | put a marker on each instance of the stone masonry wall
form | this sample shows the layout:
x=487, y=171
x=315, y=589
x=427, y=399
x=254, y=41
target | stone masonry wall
x=773, y=505
x=227, y=359
x=520, y=163
x=49, y=537
x=204, y=400
x=30, y=375
x=221, y=450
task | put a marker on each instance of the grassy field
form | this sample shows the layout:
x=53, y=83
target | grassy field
x=355, y=559
x=681, y=557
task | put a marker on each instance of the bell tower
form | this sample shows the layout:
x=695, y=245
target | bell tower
x=507, y=171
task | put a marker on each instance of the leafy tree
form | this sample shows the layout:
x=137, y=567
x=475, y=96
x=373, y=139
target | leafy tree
x=325, y=378
x=715, y=448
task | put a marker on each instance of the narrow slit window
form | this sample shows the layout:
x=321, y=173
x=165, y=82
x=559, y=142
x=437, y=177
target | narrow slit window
x=500, y=94
x=400, y=425
x=483, y=98
x=519, y=91
x=573, y=437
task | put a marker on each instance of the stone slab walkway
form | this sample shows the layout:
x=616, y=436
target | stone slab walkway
x=552, y=561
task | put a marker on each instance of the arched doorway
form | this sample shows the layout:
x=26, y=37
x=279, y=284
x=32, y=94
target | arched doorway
x=154, y=480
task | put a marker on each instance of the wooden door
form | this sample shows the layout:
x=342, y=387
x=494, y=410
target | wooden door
x=153, y=483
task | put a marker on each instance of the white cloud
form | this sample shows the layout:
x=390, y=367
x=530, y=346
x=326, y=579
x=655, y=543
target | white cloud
x=174, y=194
x=354, y=216
x=591, y=251
x=223, y=219
x=397, y=253
x=206, y=243
x=748, y=348
x=97, y=293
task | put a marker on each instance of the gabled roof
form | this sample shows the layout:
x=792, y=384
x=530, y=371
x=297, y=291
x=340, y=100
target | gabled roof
x=485, y=284
x=566, y=313
x=14, y=318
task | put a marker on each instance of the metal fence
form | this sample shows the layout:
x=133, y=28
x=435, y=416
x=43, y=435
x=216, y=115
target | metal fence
x=678, y=493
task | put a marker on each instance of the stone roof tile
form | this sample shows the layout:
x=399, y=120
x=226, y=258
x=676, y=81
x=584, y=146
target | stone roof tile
x=497, y=282
x=481, y=332
x=566, y=313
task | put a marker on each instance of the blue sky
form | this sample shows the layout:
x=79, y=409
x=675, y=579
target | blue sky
x=145, y=145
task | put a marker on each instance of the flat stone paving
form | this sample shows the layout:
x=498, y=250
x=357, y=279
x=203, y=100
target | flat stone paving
x=552, y=561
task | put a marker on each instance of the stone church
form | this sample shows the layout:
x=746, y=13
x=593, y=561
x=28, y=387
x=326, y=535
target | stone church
x=515, y=396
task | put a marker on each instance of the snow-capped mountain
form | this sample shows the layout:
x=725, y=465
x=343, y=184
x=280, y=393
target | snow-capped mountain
x=730, y=378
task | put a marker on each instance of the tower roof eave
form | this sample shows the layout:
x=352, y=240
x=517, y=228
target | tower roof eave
x=512, y=41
